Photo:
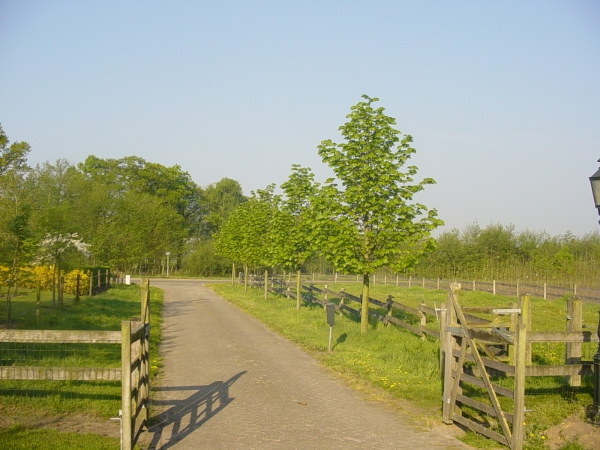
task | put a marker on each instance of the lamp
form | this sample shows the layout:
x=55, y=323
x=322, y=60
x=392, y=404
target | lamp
x=592, y=412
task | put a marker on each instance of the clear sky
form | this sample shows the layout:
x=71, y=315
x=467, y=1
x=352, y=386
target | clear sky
x=502, y=98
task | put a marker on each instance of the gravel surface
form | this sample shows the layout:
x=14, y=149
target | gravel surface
x=229, y=382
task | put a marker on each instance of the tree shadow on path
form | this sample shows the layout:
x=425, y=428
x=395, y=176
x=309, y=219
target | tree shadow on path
x=187, y=414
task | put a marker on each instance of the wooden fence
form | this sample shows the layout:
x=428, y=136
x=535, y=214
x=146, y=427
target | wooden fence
x=135, y=361
x=495, y=287
x=474, y=349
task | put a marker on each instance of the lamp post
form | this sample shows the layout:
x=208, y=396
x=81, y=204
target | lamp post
x=167, y=253
x=592, y=412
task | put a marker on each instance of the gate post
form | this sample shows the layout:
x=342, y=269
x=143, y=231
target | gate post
x=519, y=390
x=145, y=351
x=126, y=428
x=573, y=349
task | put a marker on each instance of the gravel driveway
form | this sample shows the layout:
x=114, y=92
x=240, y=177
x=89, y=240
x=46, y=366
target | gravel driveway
x=229, y=382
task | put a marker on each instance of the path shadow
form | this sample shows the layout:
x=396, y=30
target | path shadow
x=186, y=415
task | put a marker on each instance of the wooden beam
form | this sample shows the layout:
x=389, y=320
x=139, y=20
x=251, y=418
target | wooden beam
x=61, y=336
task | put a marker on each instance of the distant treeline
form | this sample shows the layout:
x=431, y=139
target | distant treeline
x=126, y=213
x=500, y=252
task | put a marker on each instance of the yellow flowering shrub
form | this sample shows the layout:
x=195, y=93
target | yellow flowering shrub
x=28, y=277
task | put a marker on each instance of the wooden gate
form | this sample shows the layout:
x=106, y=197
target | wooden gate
x=464, y=340
x=135, y=365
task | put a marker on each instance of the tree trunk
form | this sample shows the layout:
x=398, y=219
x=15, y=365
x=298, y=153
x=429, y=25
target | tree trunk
x=266, y=283
x=54, y=285
x=298, y=286
x=233, y=274
x=364, y=310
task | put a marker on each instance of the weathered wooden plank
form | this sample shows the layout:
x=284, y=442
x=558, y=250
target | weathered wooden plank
x=352, y=297
x=559, y=371
x=481, y=406
x=562, y=336
x=427, y=310
x=409, y=327
x=61, y=336
x=480, y=429
x=477, y=382
x=430, y=332
x=60, y=373
x=377, y=302
x=506, y=368
x=350, y=310
x=406, y=309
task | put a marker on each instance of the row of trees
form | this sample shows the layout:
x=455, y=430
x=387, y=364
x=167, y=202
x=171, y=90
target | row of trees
x=124, y=213
x=502, y=253
x=360, y=221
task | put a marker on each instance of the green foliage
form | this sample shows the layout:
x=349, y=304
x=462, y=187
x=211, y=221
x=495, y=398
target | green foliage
x=200, y=259
x=12, y=156
x=220, y=199
x=244, y=237
x=501, y=253
x=370, y=221
x=371, y=218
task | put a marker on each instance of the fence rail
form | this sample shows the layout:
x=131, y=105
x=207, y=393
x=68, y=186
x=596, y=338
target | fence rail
x=496, y=287
x=475, y=348
x=133, y=373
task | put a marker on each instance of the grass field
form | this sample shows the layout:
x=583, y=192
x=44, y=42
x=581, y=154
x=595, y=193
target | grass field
x=396, y=363
x=22, y=403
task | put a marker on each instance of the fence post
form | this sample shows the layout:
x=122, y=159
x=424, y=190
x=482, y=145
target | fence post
x=519, y=389
x=61, y=288
x=423, y=318
x=91, y=282
x=397, y=281
x=442, y=324
x=473, y=285
x=423, y=282
x=99, y=279
x=409, y=280
x=514, y=326
x=389, y=309
x=449, y=344
x=494, y=287
x=438, y=284
x=126, y=422
x=145, y=351
x=526, y=319
x=518, y=294
x=573, y=349
x=38, y=297
x=385, y=280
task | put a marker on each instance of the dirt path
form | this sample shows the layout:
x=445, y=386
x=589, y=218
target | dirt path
x=229, y=382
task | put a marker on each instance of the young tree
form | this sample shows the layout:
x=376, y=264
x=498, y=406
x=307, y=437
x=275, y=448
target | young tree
x=369, y=221
x=245, y=236
x=294, y=235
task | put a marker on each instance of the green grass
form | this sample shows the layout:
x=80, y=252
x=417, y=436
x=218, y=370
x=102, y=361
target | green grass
x=18, y=437
x=26, y=399
x=407, y=367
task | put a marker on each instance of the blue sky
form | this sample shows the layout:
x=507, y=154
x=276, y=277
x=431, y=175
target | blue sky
x=502, y=98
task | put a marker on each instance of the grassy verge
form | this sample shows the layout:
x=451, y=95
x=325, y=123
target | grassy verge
x=22, y=402
x=405, y=366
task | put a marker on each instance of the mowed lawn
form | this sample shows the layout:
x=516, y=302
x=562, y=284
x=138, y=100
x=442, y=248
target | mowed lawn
x=24, y=404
